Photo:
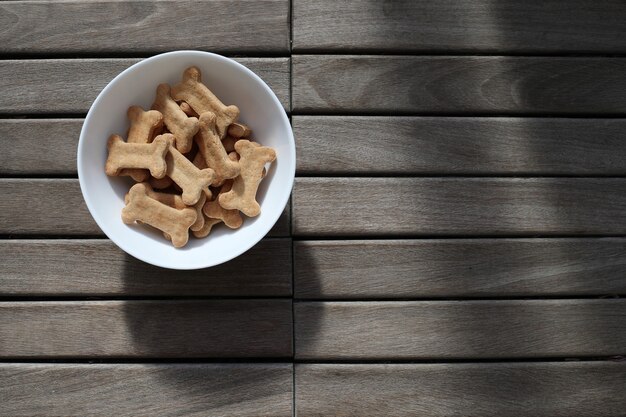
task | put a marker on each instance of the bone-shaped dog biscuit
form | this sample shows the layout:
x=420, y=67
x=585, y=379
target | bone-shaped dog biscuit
x=160, y=183
x=211, y=148
x=144, y=125
x=213, y=210
x=206, y=228
x=142, y=208
x=252, y=160
x=201, y=99
x=175, y=119
x=184, y=106
x=149, y=156
x=239, y=130
x=190, y=179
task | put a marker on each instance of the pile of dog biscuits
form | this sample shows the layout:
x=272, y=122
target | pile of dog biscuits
x=194, y=165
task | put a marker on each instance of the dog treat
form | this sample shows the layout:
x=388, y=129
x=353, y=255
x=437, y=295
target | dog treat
x=242, y=196
x=213, y=151
x=238, y=130
x=201, y=99
x=213, y=210
x=200, y=219
x=144, y=126
x=149, y=156
x=206, y=227
x=160, y=183
x=175, y=119
x=141, y=207
x=199, y=161
x=191, y=180
x=229, y=143
x=184, y=106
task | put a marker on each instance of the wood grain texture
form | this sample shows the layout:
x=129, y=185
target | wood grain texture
x=56, y=206
x=463, y=85
x=40, y=146
x=459, y=206
x=99, y=268
x=125, y=390
x=458, y=268
x=459, y=145
x=144, y=26
x=157, y=328
x=460, y=329
x=70, y=85
x=552, y=389
x=442, y=26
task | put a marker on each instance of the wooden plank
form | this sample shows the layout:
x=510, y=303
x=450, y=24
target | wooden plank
x=125, y=390
x=148, y=329
x=71, y=85
x=488, y=26
x=459, y=145
x=463, y=85
x=99, y=268
x=459, y=206
x=78, y=26
x=460, y=329
x=583, y=389
x=56, y=206
x=39, y=146
x=458, y=268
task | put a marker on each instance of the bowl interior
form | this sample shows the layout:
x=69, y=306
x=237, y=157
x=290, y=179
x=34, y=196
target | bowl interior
x=233, y=84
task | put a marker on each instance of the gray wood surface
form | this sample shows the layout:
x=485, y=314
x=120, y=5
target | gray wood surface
x=552, y=389
x=71, y=85
x=459, y=145
x=127, y=390
x=458, y=268
x=147, y=329
x=99, y=268
x=78, y=26
x=459, y=206
x=465, y=85
x=56, y=206
x=451, y=26
x=460, y=329
x=39, y=146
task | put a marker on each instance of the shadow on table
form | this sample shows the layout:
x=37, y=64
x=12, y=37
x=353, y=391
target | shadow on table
x=240, y=311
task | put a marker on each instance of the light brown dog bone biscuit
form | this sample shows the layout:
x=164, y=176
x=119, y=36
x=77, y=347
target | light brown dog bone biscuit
x=191, y=180
x=206, y=228
x=144, y=125
x=213, y=151
x=243, y=194
x=201, y=99
x=175, y=119
x=184, y=106
x=213, y=210
x=200, y=220
x=160, y=183
x=141, y=207
x=239, y=130
x=149, y=156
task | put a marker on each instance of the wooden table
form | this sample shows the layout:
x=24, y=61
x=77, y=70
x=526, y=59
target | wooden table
x=454, y=244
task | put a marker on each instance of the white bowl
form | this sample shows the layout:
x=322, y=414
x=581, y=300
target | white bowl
x=233, y=84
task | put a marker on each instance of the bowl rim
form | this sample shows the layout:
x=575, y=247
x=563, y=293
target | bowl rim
x=291, y=158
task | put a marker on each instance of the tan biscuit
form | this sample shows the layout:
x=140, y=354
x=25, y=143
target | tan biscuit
x=201, y=99
x=190, y=179
x=229, y=143
x=213, y=151
x=243, y=194
x=200, y=220
x=144, y=126
x=160, y=183
x=239, y=130
x=149, y=156
x=184, y=106
x=206, y=228
x=147, y=210
x=177, y=122
x=213, y=210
